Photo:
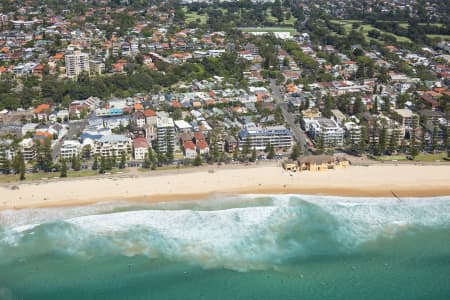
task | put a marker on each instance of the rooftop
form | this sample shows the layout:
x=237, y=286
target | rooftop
x=404, y=112
x=140, y=143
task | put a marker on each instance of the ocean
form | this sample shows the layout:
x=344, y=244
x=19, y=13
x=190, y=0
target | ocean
x=230, y=247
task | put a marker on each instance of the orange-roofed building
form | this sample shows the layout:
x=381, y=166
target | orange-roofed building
x=58, y=56
x=198, y=136
x=149, y=113
x=38, y=70
x=42, y=111
x=43, y=134
x=138, y=107
x=210, y=102
x=439, y=90
x=42, y=107
x=189, y=150
x=291, y=88
x=202, y=147
x=176, y=104
x=150, y=116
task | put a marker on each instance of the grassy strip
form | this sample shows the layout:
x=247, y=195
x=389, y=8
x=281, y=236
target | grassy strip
x=54, y=175
x=268, y=29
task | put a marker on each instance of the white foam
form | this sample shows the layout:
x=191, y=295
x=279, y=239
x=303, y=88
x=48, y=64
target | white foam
x=238, y=238
x=232, y=238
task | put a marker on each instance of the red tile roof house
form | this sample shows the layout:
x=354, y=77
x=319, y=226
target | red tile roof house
x=140, y=148
x=42, y=111
x=189, y=150
x=198, y=136
x=150, y=116
x=202, y=147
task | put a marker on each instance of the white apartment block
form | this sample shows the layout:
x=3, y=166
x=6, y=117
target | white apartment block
x=353, y=132
x=28, y=149
x=327, y=130
x=97, y=67
x=165, y=134
x=406, y=118
x=76, y=63
x=260, y=137
x=110, y=145
x=70, y=148
x=140, y=147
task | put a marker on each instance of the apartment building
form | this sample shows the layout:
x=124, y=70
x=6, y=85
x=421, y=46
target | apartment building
x=114, y=144
x=28, y=149
x=70, y=148
x=140, y=148
x=325, y=129
x=76, y=63
x=165, y=134
x=260, y=137
x=352, y=132
x=406, y=118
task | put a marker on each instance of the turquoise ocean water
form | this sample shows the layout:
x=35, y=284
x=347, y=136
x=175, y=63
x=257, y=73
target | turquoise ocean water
x=242, y=247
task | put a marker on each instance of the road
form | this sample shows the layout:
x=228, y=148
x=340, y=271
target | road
x=297, y=132
x=75, y=128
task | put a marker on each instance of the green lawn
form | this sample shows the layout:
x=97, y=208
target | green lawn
x=268, y=29
x=193, y=16
x=365, y=28
x=425, y=157
x=270, y=18
x=391, y=157
x=428, y=157
x=442, y=36
x=52, y=175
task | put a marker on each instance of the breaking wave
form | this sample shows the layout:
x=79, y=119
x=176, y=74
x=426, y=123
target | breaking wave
x=248, y=232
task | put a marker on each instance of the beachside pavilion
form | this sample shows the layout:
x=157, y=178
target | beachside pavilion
x=316, y=163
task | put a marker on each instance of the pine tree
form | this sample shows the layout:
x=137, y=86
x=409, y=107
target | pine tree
x=434, y=138
x=271, y=153
x=169, y=154
x=413, y=144
x=246, y=147
x=253, y=158
x=381, y=149
x=102, y=165
x=295, y=152
x=151, y=157
x=47, y=156
x=76, y=164
x=320, y=145
x=20, y=165
x=236, y=153
x=373, y=137
x=123, y=160
x=393, y=142
x=147, y=162
x=113, y=161
x=108, y=163
x=95, y=164
x=63, y=168
x=197, y=161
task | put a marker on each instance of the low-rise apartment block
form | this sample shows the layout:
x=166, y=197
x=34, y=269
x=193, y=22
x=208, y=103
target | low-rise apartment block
x=260, y=137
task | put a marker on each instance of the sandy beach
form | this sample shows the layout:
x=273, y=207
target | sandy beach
x=373, y=181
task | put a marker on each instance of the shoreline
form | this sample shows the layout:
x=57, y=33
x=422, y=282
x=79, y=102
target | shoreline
x=355, y=181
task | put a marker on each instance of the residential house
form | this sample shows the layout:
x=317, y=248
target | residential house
x=189, y=150
x=140, y=148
